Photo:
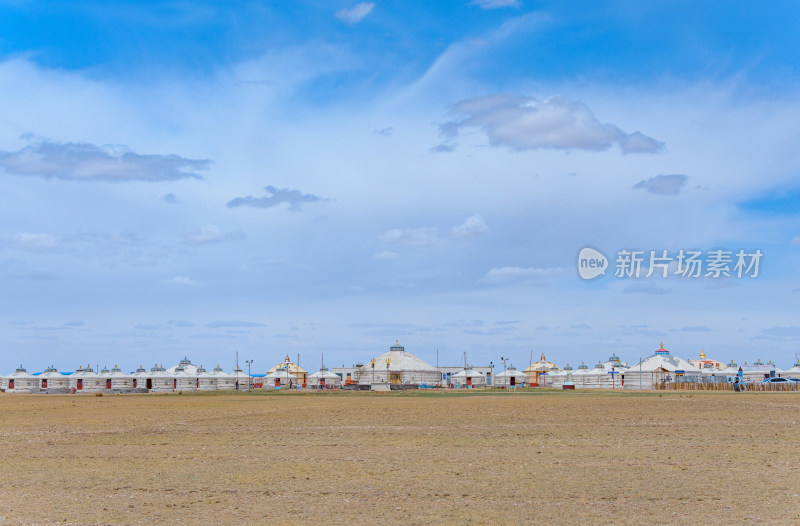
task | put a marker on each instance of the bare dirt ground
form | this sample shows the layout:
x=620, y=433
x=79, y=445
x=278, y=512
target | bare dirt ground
x=360, y=458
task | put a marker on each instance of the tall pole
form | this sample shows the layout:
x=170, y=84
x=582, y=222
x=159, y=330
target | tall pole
x=237, y=369
x=640, y=373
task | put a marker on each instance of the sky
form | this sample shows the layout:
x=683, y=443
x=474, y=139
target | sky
x=321, y=179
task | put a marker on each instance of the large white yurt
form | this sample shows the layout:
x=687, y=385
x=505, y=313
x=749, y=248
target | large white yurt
x=281, y=378
x=20, y=381
x=511, y=377
x=398, y=367
x=205, y=380
x=139, y=378
x=223, y=380
x=324, y=378
x=53, y=381
x=240, y=379
x=469, y=377
x=658, y=369
x=185, y=365
x=85, y=379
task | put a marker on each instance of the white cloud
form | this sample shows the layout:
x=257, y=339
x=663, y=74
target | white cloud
x=277, y=196
x=473, y=226
x=355, y=14
x=506, y=274
x=495, y=4
x=423, y=236
x=209, y=234
x=28, y=241
x=527, y=123
x=80, y=161
x=183, y=280
x=386, y=255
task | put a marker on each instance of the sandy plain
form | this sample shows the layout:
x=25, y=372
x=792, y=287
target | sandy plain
x=401, y=458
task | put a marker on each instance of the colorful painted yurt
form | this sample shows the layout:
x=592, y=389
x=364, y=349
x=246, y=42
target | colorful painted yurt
x=536, y=369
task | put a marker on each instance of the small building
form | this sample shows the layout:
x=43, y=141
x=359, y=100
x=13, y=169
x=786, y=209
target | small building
x=469, y=378
x=139, y=378
x=20, y=381
x=399, y=368
x=159, y=380
x=511, y=377
x=183, y=380
x=658, y=370
x=703, y=362
x=324, y=379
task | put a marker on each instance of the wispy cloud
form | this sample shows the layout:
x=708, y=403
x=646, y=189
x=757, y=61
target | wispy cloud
x=527, y=123
x=495, y=4
x=663, y=184
x=424, y=236
x=80, y=161
x=226, y=324
x=508, y=274
x=210, y=234
x=473, y=226
x=35, y=242
x=277, y=196
x=356, y=13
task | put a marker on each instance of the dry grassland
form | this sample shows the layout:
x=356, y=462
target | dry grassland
x=439, y=458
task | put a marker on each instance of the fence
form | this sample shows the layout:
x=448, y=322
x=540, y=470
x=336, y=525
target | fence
x=728, y=386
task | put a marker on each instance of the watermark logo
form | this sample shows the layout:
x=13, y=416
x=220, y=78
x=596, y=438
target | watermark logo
x=591, y=263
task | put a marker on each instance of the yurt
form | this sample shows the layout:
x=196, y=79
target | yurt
x=580, y=376
x=300, y=374
x=185, y=365
x=183, y=380
x=280, y=378
x=116, y=379
x=160, y=380
x=758, y=371
x=241, y=380
x=324, y=378
x=595, y=378
x=556, y=377
x=20, y=381
x=536, y=369
x=223, y=380
x=658, y=369
x=511, y=377
x=53, y=381
x=469, y=378
x=139, y=379
x=398, y=367
x=85, y=379
x=205, y=380
x=792, y=372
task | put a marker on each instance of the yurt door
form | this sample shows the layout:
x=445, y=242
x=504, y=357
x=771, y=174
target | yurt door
x=108, y=383
x=469, y=381
x=135, y=383
x=322, y=382
x=197, y=383
x=277, y=382
x=394, y=378
x=11, y=384
x=512, y=381
x=174, y=383
x=44, y=383
x=149, y=383
x=80, y=384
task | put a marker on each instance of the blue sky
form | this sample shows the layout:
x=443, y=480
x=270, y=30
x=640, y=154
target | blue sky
x=197, y=179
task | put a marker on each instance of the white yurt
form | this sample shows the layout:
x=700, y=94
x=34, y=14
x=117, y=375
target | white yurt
x=758, y=371
x=324, y=378
x=240, y=378
x=51, y=380
x=398, y=367
x=139, y=378
x=85, y=379
x=280, y=378
x=205, y=380
x=116, y=378
x=792, y=372
x=511, y=377
x=556, y=377
x=20, y=381
x=159, y=379
x=183, y=380
x=658, y=369
x=469, y=377
x=185, y=365
x=222, y=379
